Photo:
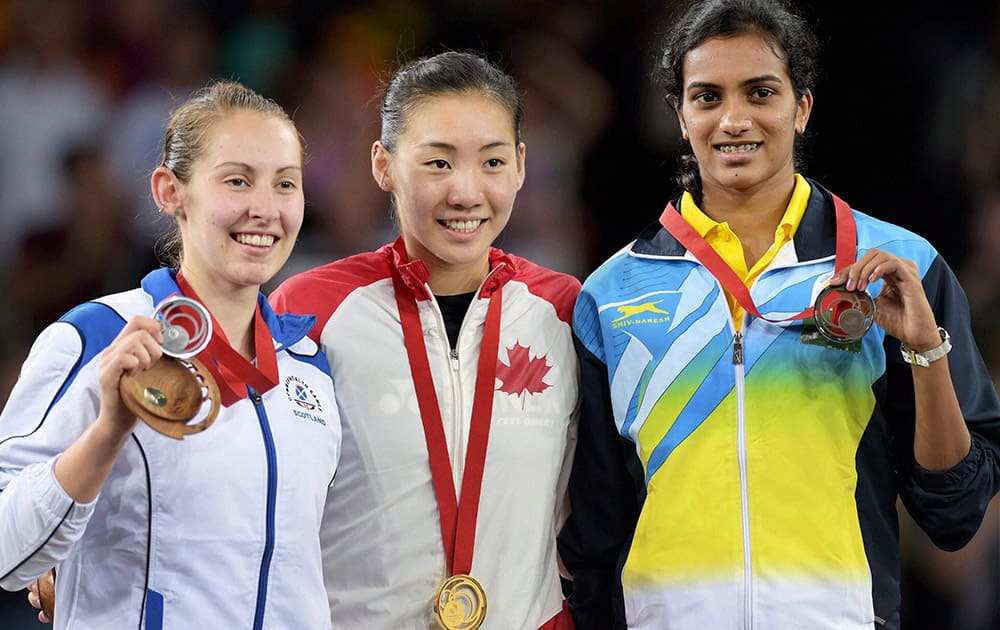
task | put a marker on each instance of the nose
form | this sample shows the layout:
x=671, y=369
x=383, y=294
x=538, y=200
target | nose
x=265, y=205
x=735, y=118
x=465, y=190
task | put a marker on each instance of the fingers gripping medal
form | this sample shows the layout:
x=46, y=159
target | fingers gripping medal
x=843, y=316
x=460, y=603
x=177, y=396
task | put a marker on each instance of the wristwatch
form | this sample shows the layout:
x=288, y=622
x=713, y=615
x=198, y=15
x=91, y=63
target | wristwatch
x=925, y=358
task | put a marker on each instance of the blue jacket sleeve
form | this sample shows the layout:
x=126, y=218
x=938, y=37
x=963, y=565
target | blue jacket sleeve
x=949, y=505
x=606, y=490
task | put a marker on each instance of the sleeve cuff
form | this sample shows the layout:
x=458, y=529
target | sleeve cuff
x=53, y=498
x=955, y=477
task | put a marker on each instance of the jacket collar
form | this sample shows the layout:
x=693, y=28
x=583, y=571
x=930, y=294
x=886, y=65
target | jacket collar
x=286, y=329
x=815, y=238
x=415, y=275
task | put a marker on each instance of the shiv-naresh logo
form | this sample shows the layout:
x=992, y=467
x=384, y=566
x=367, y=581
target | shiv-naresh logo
x=649, y=311
x=630, y=310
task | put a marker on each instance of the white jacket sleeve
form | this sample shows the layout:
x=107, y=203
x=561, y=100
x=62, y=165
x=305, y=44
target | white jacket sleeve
x=56, y=397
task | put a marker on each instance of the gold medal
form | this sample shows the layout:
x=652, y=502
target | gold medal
x=460, y=603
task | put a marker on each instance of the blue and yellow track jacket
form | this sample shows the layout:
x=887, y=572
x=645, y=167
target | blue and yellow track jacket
x=748, y=480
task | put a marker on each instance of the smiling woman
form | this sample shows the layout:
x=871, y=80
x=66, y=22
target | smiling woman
x=454, y=172
x=455, y=375
x=741, y=456
x=220, y=529
x=244, y=236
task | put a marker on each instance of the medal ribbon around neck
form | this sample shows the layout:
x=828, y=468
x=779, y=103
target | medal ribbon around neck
x=846, y=254
x=231, y=370
x=458, y=514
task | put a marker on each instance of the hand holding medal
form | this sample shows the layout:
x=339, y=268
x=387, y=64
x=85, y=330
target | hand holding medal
x=903, y=310
x=175, y=389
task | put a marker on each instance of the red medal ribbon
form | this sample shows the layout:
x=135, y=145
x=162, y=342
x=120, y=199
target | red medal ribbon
x=458, y=514
x=230, y=369
x=846, y=254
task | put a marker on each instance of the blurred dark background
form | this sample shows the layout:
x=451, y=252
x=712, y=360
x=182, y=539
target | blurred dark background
x=906, y=127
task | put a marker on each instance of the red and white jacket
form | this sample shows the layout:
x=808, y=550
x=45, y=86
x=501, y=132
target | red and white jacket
x=382, y=547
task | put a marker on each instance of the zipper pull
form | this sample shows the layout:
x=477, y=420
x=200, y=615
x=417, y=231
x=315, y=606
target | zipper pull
x=738, y=348
x=454, y=359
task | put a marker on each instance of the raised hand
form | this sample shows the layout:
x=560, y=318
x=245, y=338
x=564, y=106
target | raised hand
x=901, y=307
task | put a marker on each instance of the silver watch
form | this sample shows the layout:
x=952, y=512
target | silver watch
x=924, y=359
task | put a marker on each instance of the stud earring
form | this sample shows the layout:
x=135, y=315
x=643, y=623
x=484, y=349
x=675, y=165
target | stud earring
x=177, y=212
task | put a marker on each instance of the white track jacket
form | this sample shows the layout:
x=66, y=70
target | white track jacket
x=383, y=549
x=218, y=530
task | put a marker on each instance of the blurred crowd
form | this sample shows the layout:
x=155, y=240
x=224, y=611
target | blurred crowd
x=906, y=127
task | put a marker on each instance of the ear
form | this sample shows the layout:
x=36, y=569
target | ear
x=520, y=165
x=802, y=111
x=381, y=158
x=166, y=190
x=680, y=120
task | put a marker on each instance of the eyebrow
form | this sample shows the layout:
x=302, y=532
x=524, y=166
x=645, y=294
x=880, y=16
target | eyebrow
x=450, y=147
x=245, y=166
x=764, y=78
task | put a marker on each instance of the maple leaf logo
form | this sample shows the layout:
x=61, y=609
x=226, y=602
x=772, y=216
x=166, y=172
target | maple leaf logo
x=524, y=374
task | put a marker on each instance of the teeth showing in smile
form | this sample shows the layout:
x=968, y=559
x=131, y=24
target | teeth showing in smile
x=258, y=240
x=737, y=148
x=463, y=226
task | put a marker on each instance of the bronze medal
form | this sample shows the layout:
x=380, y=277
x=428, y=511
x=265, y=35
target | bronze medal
x=460, y=603
x=177, y=388
x=844, y=316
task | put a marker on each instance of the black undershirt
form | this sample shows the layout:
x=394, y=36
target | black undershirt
x=453, y=309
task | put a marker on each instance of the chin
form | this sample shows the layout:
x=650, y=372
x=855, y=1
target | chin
x=255, y=278
x=473, y=253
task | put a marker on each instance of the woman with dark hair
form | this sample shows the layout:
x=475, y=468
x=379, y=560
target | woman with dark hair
x=455, y=372
x=765, y=371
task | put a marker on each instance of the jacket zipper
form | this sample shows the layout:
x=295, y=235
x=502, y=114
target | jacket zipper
x=272, y=490
x=741, y=449
x=458, y=447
